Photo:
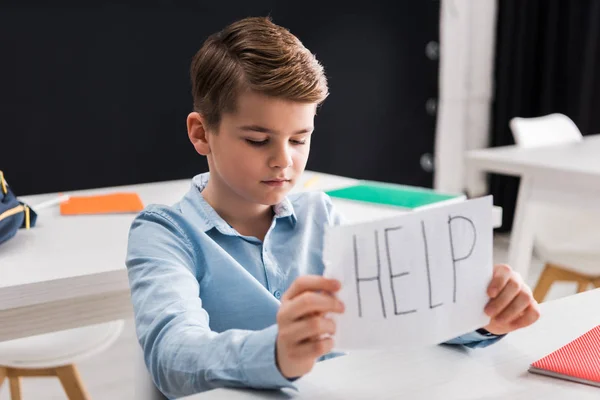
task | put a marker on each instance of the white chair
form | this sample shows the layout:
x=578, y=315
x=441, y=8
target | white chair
x=54, y=355
x=567, y=240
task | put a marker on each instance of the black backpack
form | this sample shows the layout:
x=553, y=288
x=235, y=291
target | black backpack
x=13, y=214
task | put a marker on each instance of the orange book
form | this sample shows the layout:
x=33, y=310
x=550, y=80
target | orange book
x=578, y=361
x=102, y=204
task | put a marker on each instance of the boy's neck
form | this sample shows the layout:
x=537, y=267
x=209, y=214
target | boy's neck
x=249, y=219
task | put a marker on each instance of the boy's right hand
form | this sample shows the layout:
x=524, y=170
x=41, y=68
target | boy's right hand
x=302, y=323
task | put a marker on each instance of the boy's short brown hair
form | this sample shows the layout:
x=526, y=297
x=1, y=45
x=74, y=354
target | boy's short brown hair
x=253, y=54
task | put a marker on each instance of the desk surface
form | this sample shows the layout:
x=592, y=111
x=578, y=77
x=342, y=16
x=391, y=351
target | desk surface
x=89, y=250
x=66, y=258
x=555, y=162
x=448, y=372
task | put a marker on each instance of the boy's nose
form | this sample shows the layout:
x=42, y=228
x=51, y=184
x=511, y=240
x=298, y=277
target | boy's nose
x=281, y=159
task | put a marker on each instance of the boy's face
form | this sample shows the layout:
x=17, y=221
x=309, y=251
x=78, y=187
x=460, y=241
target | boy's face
x=261, y=150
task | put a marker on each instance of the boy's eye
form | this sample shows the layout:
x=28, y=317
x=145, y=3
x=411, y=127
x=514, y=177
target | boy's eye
x=257, y=143
x=303, y=141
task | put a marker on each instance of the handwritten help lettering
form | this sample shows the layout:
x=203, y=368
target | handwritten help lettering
x=394, y=276
x=415, y=279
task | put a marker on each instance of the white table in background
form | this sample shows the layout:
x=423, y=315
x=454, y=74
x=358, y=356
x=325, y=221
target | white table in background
x=497, y=372
x=69, y=271
x=564, y=175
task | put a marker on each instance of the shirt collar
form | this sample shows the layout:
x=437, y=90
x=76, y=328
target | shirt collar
x=193, y=203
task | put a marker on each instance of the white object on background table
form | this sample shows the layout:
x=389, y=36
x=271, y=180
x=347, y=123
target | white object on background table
x=51, y=202
x=548, y=130
x=450, y=372
x=412, y=280
x=565, y=175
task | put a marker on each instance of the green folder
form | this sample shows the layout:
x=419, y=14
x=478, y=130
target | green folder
x=391, y=194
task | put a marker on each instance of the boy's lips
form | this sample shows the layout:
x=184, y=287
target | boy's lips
x=276, y=182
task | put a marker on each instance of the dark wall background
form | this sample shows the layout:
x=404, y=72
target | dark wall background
x=98, y=95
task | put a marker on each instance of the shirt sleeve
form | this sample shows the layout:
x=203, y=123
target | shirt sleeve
x=181, y=352
x=475, y=339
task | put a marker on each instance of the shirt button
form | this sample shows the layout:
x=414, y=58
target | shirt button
x=277, y=294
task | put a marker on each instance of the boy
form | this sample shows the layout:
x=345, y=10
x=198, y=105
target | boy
x=226, y=284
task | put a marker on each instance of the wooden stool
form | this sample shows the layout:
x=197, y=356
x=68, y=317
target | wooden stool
x=553, y=273
x=68, y=376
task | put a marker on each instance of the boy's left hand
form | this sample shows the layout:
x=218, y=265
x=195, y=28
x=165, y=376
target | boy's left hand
x=512, y=305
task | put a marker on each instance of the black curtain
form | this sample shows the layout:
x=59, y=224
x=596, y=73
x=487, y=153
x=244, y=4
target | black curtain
x=547, y=60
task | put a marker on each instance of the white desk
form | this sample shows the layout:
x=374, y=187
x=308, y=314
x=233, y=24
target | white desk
x=69, y=271
x=563, y=175
x=447, y=372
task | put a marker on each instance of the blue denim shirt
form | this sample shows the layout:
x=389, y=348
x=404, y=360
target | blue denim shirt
x=206, y=297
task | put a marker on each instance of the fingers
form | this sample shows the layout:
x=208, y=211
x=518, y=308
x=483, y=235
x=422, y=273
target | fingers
x=308, y=303
x=502, y=300
x=313, y=348
x=309, y=329
x=515, y=308
x=512, y=305
x=531, y=314
x=304, y=333
x=311, y=283
x=502, y=273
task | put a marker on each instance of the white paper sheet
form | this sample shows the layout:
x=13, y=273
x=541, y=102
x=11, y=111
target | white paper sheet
x=413, y=280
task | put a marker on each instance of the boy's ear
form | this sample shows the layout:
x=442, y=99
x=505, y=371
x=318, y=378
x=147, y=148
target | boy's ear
x=197, y=133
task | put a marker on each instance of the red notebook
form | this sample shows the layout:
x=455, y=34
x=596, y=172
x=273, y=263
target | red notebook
x=577, y=361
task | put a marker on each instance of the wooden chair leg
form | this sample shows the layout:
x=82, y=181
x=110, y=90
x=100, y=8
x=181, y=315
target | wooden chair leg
x=14, y=378
x=2, y=375
x=546, y=280
x=27, y=372
x=71, y=382
x=15, y=387
x=582, y=286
